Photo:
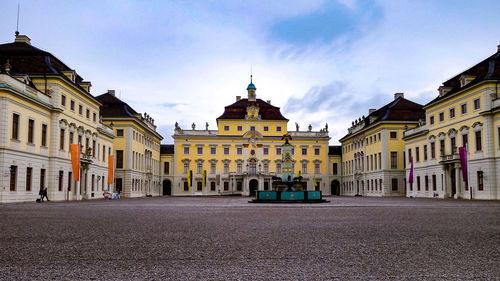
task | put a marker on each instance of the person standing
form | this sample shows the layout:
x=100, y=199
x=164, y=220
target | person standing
x=45, y=195
x=41, y=194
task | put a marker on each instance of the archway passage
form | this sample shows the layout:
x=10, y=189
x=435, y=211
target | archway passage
x=254, y=184
x=335, y=187
x=167, y=187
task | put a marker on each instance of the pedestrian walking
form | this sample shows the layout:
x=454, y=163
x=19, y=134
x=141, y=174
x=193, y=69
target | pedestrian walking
x=45, y=195
x=41, y=194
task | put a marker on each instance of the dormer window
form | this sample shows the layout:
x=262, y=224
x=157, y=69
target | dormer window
x=466, y=79
x=443, y=90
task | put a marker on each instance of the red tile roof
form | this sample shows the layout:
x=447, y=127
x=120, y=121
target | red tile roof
x=238, y=110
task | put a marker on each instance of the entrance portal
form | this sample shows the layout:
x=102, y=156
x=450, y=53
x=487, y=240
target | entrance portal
x=167, y=188
x=335, y=188
x=254, y=184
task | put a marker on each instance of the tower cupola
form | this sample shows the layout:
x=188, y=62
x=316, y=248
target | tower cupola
x=251, y=90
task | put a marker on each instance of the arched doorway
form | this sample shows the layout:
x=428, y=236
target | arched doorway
x=167, y=187
x=254, y=184
x=335, y=187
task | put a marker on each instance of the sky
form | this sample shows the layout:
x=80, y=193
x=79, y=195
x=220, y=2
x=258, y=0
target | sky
x=319, y=61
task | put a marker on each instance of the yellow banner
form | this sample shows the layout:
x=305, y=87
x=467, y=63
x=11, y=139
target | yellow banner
x=204, y=178
x=75, y=160
x=110, y=169
x=189, y=177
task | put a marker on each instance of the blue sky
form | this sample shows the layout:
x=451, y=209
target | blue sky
x=320, y=61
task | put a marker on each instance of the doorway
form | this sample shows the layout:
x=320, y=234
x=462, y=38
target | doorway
x=167, y=188
x=453, y=183
x=254, y=184
x=335, y=187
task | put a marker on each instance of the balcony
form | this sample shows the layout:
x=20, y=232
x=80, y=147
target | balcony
x=450, y=158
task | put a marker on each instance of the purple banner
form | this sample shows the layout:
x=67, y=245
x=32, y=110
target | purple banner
x=410, y=178
x=462, y=151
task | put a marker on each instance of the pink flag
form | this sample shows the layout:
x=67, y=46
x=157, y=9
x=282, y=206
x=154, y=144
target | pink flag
x=410, y=179
x=462, y=151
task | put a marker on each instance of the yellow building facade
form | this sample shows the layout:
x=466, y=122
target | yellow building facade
x=466, y=112
x=244, y=152
x=136, y=147
x=373, y=159
x=44, y=107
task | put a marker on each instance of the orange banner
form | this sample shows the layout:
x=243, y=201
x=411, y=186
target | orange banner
x=111, y=166
x=75, y=160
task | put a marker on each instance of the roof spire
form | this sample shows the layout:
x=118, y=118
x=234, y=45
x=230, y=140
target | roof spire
x=17, y=26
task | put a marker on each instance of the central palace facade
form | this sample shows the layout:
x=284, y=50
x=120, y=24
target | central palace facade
x=400, y=149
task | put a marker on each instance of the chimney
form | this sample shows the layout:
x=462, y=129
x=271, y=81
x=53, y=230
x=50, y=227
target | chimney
x=269, y=101
x=111, y=92
x=371, y=110
x=23, y=38
x=238, y=98
x=399, y=95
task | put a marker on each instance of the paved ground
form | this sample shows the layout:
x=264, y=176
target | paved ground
x=228, y=239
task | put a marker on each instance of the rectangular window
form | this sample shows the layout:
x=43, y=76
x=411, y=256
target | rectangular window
x=29, y=172
x=15, y=126
x=394, y=159
x=212, y=168
x=239, y=150
x=72, y=105
x=278, y=129
x=199, y=150
x=434, y=183
x=186, y=150
x=266, y=185
x=453, y=143
x=394, y=135
x=478, y=141
x=265, y=150
x=335, y=169
x=186, y=186
x=441, y=147
x=304, y=168
x=186, y=167
x=80, y=109
x=226, y=186
x=212, y=186
x=226, y=150
x=418, y=183
x=226, y=128
x=431, y=120
x=477, y=104
x=480, y=185
x=93, y=148
x=278, y=168
x=63, y=100
x=31, y=128
x=426, y=183
x=425, y=152
x=452, y=113
x=213, y=150
x=240, y=128
x=463, y=108
x=42, y=178
x=94, y=116
x=70, y=180
x=278, y=150
x=409, y=155
x=417, y=153
x=441, y=116
x=166, y=168
x=266, y=168
x=119, y=132
x=433, y=150
x=199, y=186
x=104, y=153
x=316, y=168
x=394, y=184
x=239, y=186
x=119, y=159
x=316, y=151
x=13, y=178
x=266, y=128
x=252, y=128
x=61, y=140
x=304, y=150
x=87, y=113
x=61, y=179
x=498, y=137
x=44, y=135
x=226, y=168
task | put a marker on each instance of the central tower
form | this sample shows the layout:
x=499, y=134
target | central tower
x=251, y=90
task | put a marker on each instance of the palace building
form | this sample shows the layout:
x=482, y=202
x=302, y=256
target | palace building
x=44, y=107
x=466, y=113
x=137, y=147
x=373, y=150
x=244, y=153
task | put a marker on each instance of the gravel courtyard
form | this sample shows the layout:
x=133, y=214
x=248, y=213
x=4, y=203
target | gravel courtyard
x=226, y=238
